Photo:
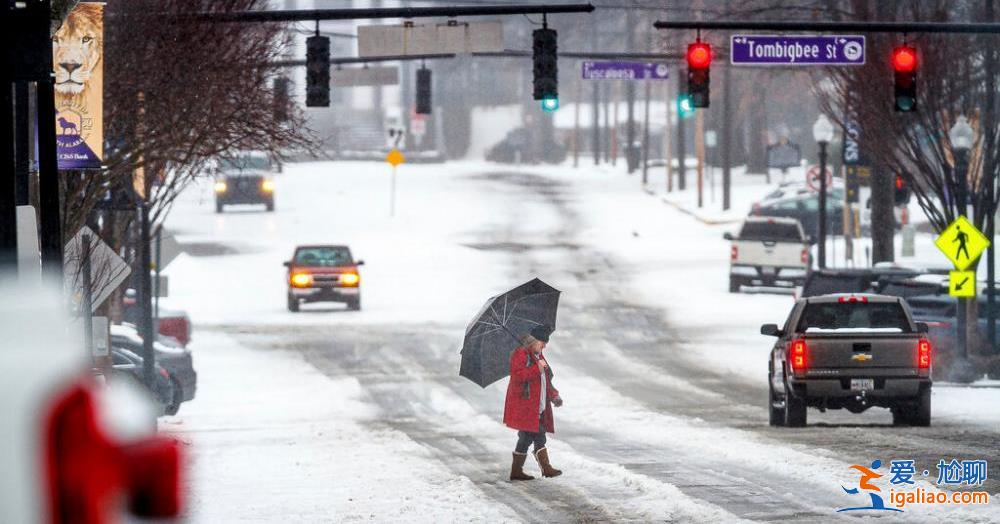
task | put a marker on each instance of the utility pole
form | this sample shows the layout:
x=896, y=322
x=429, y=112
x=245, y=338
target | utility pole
x=595, y=113
x=22, y=127
x=989, y=169
x=699, y=151
x=727, y=136
x=629, y=92
x=668, y=154
x=681, y=168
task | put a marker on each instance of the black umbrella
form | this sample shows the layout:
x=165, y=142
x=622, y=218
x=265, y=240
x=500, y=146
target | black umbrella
x=495, y=331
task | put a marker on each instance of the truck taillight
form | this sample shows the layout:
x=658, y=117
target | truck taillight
x=799, y=354
x=87, y=472
x=805, y=256
x=734, y=253
x=924, y=354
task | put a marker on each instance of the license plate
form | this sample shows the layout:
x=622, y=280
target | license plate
x=862, y=384
x=769, y=271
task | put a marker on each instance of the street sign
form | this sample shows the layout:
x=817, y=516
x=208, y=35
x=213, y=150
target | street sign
x=107, y=269
x=962, y=243
x=785, y=50
x=166, y=249
x=101, y=336
x=617, y=70
x=366, y=76
x=432, y=39
x=962, y=284
x=783, y=156
x=395, y=157
x=812, y=178
x=852, y=146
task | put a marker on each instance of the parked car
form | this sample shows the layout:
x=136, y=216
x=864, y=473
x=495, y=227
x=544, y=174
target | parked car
x=940, y=312
x=323, y=273
x=854, y=280
x=173, y=323
x=801, y=189
x=520, y=146
x=768, y=251
x=805, y=208
x=245, y=178
x=175, y=360
x=849, y=351
x=127, y=365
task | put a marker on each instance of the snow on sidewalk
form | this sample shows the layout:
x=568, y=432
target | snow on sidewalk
x=271, y=439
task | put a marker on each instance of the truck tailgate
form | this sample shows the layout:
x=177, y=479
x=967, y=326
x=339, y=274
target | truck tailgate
x=770, y=253
x=891, y=350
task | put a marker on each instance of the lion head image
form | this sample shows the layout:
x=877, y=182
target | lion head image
x=77, y=49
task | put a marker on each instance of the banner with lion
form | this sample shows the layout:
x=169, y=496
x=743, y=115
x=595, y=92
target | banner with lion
x=78, y=59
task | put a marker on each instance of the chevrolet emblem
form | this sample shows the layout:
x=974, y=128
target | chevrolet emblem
x=861, y=357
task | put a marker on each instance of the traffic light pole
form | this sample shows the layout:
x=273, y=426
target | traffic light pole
x=821, y=248
x=307, y=15
x=989, y=168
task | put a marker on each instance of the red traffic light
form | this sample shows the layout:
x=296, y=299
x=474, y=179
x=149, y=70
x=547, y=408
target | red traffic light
x=904, y=59
x=699, y=55
x=900, y=182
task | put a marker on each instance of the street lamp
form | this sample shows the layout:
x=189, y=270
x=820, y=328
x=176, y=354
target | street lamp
x=823, y=133
x=962, y=136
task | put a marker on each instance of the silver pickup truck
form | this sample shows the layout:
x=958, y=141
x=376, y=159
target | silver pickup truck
x=850, y=351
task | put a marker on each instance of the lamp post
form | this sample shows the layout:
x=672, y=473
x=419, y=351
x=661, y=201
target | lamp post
x=823, y=133
x=961, y=136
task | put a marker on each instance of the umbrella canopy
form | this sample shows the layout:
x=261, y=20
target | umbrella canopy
x=495, y=331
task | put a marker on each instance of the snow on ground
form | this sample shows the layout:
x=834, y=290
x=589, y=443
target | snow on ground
x=252, y=426
x=271, y=439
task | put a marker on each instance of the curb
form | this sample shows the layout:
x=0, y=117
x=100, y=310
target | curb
x=706, y=221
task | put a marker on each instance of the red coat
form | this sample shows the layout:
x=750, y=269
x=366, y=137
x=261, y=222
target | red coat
x=522, y=413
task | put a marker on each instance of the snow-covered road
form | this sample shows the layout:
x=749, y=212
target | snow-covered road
x=304, y=417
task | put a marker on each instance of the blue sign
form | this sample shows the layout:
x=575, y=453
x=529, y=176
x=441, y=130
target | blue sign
x=624, y=71
x=796, y=50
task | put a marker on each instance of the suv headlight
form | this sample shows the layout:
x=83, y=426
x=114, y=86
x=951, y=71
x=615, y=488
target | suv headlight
x=267, y=186
x=221, y=187
x=301, y=280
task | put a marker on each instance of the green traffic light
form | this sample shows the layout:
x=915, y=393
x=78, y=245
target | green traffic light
x=685, y=106
x=550, y=104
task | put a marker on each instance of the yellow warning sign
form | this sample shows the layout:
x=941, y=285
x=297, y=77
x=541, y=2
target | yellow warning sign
x=962, y=283
x=962, y=243
x=395, y=157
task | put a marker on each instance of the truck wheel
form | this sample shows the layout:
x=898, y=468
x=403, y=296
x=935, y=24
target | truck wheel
x=218, y=207
x=795, y=410
x=734, y=284
x=354, y=305
x=293, y=304
x=899, y=417
x=776, y=415
x=178, y=398
x=921, y=413
x=270, y=205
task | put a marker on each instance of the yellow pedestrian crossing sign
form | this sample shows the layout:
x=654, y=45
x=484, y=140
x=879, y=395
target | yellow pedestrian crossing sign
x=962, y=243
x=962, y=283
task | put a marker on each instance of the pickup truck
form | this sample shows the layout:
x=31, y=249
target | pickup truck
x=853, y=352
x=769, y=251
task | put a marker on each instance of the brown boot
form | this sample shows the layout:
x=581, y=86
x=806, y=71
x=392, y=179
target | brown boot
x=542, y=456
x=517, y=467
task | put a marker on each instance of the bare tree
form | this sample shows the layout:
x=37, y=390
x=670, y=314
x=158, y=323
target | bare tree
x=179, y=92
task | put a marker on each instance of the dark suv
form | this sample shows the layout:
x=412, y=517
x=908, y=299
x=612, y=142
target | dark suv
x=245, y=178
x=323, y=273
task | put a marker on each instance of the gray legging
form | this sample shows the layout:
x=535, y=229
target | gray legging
x=526, y=438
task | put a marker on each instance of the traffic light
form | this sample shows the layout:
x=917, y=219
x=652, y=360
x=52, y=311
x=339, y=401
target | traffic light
x=904, y=66
x=685, y=109
x=281, y=99
x=699, y=59
x=424, y=91
x=902, y=191
x=546, y=68
x=317, y=71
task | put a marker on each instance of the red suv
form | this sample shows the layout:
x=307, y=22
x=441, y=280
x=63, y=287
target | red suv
x=323, y=273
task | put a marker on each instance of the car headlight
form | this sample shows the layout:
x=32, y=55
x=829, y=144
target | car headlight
x=350, y=279
x=221, y=187
x=267, y=186
x=301, y=280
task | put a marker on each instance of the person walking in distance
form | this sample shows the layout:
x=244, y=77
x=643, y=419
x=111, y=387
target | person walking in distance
x=528, y=407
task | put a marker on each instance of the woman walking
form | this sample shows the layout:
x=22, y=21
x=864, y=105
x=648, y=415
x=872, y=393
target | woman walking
x=528, y=408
